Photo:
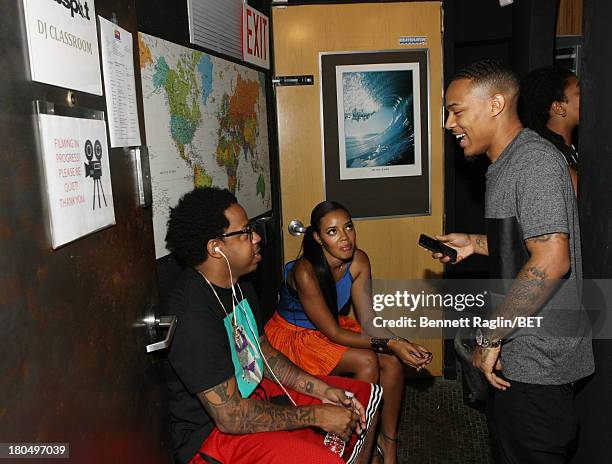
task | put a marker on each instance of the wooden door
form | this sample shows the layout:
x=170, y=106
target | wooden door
x=74, y=366
x=300, y=34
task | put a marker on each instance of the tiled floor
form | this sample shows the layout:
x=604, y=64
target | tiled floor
x=438, y=428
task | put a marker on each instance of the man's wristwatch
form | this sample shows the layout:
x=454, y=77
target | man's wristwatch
x=484, y=342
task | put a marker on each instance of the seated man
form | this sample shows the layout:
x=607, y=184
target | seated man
x=227, y=383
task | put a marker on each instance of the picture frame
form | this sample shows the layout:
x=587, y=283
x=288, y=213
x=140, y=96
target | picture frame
x=376, y=131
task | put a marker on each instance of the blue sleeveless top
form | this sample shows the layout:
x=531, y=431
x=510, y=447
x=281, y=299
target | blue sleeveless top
x=290, y=308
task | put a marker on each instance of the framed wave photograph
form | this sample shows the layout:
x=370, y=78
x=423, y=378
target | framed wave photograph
x=378, y=120
x=375, y=126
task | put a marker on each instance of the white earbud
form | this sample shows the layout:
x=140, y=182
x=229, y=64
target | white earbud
x=218, y=250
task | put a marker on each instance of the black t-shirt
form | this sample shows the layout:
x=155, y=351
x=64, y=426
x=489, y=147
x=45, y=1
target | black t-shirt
x=199, y=357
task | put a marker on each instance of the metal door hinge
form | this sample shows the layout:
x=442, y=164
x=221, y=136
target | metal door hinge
x=293, y=80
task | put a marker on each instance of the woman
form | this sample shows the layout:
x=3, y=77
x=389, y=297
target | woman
x=309, y=330
x=550, y=105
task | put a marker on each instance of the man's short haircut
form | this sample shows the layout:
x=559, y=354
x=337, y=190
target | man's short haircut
x=491, y=74
x=198, y=218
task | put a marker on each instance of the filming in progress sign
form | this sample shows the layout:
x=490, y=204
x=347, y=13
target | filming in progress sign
x=77, y=175
x=63, y=43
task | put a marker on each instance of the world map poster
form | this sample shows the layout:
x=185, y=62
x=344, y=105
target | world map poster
x=206, y=125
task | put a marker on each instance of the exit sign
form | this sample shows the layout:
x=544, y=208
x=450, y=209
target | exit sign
x=255, y=37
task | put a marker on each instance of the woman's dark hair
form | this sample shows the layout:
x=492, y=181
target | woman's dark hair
x=198, y=218
x=313, y=252
x=539, y=90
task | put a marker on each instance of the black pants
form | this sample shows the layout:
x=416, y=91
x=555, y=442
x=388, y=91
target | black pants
x=532, y=424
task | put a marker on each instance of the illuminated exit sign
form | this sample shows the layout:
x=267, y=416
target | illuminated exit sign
x=255, y=37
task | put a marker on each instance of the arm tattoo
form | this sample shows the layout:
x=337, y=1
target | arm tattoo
x=563, y=238
x=288, y=373
x=540, y=239
x=219, y=395
x=233, y=414
x=530, y=290
x=309, y=388
x=480, y=244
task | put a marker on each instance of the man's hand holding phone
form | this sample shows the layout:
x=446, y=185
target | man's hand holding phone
x=460, y=243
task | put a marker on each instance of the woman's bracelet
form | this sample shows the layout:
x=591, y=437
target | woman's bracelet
x=381, y=345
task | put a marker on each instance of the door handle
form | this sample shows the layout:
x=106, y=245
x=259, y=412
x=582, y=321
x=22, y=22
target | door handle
x=164, y=321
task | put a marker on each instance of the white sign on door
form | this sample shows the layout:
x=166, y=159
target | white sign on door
x=63, y=43
x=77, y=175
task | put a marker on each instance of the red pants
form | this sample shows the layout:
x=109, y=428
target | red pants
x=289, y=447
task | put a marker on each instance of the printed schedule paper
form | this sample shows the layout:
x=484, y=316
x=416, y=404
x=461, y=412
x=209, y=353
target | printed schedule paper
x=119, y=84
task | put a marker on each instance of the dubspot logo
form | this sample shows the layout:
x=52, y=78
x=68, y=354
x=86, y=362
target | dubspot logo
x=75, y=7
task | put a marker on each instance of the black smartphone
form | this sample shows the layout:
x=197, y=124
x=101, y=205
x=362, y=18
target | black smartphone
x=438, y=247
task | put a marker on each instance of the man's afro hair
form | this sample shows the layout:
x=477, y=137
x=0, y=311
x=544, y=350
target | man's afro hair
x=198, y=218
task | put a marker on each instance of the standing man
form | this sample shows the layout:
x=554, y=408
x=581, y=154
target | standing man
x=233, y=398
x=533, y=239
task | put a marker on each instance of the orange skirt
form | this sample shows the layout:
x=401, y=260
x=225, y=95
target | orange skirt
x=308, y=348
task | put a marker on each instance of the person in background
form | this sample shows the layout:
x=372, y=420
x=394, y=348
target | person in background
x=308, y=328
x=233, y=398
x=549, y=104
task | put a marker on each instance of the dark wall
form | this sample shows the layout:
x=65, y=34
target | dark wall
x=533, y=34
x=469, y=38
x=74, y=367
x=172, y=24
x=595, y=205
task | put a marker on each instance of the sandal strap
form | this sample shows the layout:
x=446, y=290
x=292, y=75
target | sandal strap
x=378, y=455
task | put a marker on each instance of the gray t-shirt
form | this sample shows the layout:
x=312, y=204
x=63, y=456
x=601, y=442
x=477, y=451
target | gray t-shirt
x=530, y=182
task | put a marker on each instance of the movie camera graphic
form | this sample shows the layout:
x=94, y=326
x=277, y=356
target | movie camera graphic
x=93, y=169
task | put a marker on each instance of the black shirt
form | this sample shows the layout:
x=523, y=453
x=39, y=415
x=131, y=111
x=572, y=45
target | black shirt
x=199, y=357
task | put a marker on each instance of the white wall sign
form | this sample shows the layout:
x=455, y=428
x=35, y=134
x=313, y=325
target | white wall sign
x=119, y=85
x=255, y=37
x=77, y=175
x=63, y=43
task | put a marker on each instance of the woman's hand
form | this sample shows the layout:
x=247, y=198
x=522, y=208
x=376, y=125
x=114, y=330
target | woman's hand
x=412, y=354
